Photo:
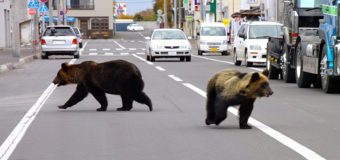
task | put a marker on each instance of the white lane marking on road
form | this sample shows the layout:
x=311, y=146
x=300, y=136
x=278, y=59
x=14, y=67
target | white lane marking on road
x=124, y=53
x=119, y=49
x=132, y=49
x=106, y=49
x=82, y=49
x=132, y=41
x=119, y=45
x=12, y=141
x=140, y=53
x=160, y=68
x=141, y=34
x=93, y=54
x=175, y=78
x=92, y=49
x=290, y=143
x=142, y=59
x=143, y=49
x=256, y=69
x=108, y=54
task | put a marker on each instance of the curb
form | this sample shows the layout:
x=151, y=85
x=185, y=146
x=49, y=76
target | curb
x=22, y=61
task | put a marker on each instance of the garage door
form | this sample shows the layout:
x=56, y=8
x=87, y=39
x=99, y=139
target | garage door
x=121, y=26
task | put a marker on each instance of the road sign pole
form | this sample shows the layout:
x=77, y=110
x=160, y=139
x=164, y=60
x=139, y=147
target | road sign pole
x=15, y=30
x=165, y=18
x=50, y=13
x=175, y=14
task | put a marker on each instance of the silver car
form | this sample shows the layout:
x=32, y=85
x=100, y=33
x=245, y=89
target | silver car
x=79, y=35
x=59, y=40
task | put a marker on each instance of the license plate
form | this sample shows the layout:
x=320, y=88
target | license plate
x=172, y=53
x=213, y=49
x=58, y=42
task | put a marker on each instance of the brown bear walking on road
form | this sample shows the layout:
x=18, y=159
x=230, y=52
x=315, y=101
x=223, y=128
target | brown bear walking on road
x=117, y=77
x=230, y=87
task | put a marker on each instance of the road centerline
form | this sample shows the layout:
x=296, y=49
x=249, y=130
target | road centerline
x=12, y=141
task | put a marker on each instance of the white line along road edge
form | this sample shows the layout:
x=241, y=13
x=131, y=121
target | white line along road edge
x=7, y=148
x=119, y=45
x=290, y=143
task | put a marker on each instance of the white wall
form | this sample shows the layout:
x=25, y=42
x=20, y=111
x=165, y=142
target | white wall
x=3, y=39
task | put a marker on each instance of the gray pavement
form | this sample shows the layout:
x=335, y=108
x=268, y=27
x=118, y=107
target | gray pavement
x=9, y=62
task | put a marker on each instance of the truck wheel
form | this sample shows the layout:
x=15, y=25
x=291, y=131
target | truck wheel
x=303, y=79
x=328, y=83
x=288, y=74
x=200, y=52
x=273, y=72
x=248, y=64
x=236, y=62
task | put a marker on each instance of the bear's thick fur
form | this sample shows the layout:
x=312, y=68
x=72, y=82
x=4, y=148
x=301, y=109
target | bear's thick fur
x=117, y=77
x=230, y=87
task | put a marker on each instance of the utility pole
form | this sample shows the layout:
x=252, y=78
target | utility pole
x=58, y=11
x=50, y=12
x=175, y=14
x=202, y=10
x=165, y=19
x=15, y=29
x=64, y=13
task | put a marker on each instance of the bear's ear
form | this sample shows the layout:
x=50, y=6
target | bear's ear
x=265, y=72
x=64, y=66
x=254, y=77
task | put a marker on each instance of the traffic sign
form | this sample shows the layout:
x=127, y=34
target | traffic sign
x=44, y=1
x=33, y=4
x=43, y=8
x=32, y=11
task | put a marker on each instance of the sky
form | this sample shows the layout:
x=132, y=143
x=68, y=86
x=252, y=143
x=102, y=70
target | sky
x=134, y=6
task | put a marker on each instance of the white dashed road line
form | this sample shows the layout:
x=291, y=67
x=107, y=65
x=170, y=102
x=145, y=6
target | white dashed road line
x=106, y=49
x=132, y=49
x=82, y=49
x=108, y=54
x=92, y=49
x=160, y=68
x=93, y=54
x=12, y=141
x=124, y=53
x=119, y=49
x=119, y=45
x=288, y=142
x=175, y=78
x=140, y=53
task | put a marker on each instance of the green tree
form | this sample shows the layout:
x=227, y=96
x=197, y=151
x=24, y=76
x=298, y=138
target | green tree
x=138, y=17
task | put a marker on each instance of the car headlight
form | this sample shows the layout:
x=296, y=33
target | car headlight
x=157, y=47
x=203, y=42
x=255, y=47
x=185, y=47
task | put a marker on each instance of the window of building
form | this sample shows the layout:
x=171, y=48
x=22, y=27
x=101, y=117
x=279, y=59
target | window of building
x=74, y=4
x=100, y=25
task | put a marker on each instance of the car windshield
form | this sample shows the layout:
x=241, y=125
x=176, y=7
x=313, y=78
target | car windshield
x=59, y=31
x=213, y=31
x=309, y=3
x=76, y=30
x=264, y=31
x=166, y=35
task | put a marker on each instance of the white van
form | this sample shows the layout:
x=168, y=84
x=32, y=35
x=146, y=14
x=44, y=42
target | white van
x=250, y=44
x=213, y=37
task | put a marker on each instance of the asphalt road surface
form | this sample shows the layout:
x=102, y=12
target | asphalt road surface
x=292, y=124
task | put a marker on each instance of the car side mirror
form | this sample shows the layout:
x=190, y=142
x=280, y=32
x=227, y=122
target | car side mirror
x=189, y=37
x=147, y=38
x=242, y=36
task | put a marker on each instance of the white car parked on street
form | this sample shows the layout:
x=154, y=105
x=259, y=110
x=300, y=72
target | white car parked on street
x=213, y=37
x=135, y=27
x=168, y=43
x=250, y=44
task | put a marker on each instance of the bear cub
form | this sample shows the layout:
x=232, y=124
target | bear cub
x=229, y=88
x=116, y=77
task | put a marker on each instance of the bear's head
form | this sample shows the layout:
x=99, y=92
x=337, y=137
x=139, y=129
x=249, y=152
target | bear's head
x=256, y=85
x=64, y=75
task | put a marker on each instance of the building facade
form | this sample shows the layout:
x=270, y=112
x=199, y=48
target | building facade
x=94, y=18
x=7, y=17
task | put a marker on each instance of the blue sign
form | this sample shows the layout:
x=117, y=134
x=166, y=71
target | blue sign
x=33, y=4
x=43, y=8
x=68, y=19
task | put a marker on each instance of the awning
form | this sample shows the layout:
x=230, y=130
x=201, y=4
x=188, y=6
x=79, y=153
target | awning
x=68, y=19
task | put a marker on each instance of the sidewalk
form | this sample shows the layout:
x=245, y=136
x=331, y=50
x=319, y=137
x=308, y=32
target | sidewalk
x=8, y=62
